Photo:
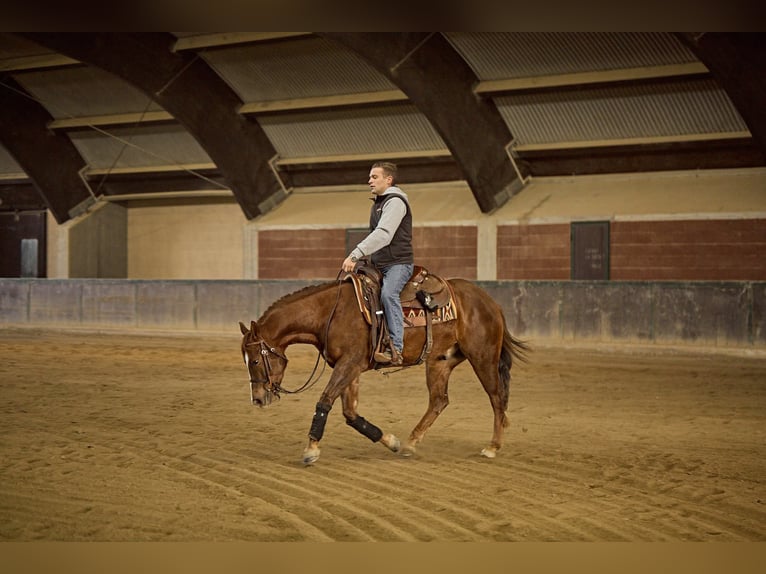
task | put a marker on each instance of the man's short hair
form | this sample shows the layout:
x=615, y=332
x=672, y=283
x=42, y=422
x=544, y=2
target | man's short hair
x=389, y=169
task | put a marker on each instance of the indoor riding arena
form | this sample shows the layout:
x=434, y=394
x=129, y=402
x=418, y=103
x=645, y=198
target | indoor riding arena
x=607, y=190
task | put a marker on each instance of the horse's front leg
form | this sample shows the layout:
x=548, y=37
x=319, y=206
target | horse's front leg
x=311, y=452
x=339, y=381
x=350, y=398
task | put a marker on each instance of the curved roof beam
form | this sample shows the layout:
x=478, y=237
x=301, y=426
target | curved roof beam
x=440, y=83
x=51, y=160
x=737, y=61
x=184, y=85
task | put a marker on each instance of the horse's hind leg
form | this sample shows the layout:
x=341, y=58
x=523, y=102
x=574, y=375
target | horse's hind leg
x=487, y=372
x=438, y=370
x=350, y=399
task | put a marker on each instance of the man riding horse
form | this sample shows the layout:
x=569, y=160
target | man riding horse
x=389, y=246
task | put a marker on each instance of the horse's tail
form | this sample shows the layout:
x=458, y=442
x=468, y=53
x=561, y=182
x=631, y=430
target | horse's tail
x=513, y=348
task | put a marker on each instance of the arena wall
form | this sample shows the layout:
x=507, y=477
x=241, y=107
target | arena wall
x=699, y=313
x=664, y=226
x=685, y=258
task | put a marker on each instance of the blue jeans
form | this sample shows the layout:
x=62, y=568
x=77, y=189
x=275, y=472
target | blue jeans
x=394, y=280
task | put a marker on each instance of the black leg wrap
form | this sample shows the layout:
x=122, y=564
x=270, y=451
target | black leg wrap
x=366, y=428
x=319, y=420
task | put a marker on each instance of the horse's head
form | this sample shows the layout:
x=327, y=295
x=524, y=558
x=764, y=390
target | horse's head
x=265, y=364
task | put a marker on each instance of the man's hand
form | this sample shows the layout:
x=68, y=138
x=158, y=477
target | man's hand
x=348, y=264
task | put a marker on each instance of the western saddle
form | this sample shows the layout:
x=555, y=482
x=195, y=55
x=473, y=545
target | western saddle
x=426, y=298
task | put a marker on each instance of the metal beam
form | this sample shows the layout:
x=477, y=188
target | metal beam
x=495, y=87
x=636, y=157
x=50, y=160
x=412, y=169
x=20, y=197
x=156, y=184
x=440, y=83
x=185, y=86
x=131, y=119
x=336, y=101
x=365, y=157
x=198, y=41
x=36, y=62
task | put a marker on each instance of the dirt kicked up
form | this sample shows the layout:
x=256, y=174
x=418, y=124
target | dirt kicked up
x=108, y=437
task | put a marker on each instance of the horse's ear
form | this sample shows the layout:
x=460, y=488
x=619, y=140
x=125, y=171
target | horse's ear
x=253, y=327
x=243, y=328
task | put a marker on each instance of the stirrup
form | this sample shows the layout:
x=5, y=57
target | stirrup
x=391, y=357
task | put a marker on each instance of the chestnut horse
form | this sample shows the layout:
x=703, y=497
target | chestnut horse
x=327, y=316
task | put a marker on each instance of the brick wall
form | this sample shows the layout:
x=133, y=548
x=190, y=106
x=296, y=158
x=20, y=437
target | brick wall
x=713, y=250
x=730, y=249
x=533, y=251
x=448, y=251
x=301, y=253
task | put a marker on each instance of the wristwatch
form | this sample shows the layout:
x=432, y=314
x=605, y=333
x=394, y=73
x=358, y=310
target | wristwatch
x=353, y=258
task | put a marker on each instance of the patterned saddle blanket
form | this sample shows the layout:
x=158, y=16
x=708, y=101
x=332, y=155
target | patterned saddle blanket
x=423, y=293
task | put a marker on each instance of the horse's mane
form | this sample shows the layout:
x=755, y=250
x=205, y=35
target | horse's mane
x=298, y=295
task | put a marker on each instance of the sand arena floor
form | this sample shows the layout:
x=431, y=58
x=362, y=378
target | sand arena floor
x=108, y=437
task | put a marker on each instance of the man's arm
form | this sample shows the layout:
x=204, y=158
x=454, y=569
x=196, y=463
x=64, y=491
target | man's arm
x=393, y=212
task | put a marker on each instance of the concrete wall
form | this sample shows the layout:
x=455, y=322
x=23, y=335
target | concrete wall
x=135, y=304
x=717, y=314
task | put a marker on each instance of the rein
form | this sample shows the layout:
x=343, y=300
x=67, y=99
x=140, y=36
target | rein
x=265, y=351
x=308, y=384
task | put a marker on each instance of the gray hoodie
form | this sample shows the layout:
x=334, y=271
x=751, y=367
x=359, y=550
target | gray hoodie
x=393, y=213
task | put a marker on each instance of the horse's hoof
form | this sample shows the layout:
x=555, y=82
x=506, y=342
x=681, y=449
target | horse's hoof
x=489, y=452
x=310, y=456
x=391, y=442
x=408, y=450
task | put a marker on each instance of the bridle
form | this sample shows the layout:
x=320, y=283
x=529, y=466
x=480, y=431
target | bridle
x=265, y=350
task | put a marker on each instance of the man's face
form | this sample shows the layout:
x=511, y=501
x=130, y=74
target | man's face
x=379, y=181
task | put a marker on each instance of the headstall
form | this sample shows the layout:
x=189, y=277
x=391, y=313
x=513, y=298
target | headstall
x=265, y=351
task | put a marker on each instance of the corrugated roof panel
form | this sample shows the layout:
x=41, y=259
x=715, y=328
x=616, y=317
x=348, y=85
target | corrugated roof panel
x=351, y=131
x=84, y=91
x=504, y=55
x=298, y=68
x=139, y=147
x=667, y=109
x=12, y=46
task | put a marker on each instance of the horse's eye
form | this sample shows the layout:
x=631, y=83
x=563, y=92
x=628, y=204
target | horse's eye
x=250, y=362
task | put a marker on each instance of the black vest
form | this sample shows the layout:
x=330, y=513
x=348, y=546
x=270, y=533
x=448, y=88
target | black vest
x=400, y=248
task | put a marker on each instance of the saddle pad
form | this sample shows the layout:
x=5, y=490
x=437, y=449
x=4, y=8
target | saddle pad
x=414, y=316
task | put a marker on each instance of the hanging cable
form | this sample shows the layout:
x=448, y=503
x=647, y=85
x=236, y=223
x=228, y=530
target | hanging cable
x=126, y=142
